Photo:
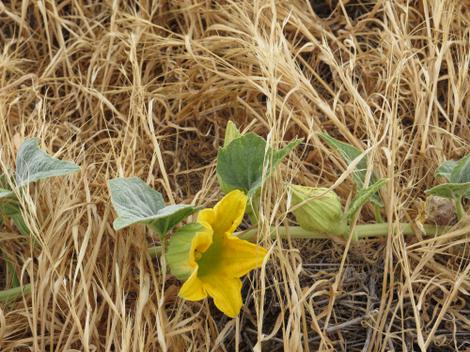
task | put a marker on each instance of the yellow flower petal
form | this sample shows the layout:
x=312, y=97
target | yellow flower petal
x=226, y=293
x=239, y=257
x=229, y=212
x=207, y=215
x=219, y=258
x=192, y=289
x=199, y=244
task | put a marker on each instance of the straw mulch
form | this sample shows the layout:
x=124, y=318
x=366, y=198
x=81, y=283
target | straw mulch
x=145, y=88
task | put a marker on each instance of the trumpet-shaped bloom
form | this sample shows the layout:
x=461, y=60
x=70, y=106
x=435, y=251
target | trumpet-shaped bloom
x=218, y=258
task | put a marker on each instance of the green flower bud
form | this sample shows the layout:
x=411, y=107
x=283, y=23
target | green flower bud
x=179, y=249
x=318, y=210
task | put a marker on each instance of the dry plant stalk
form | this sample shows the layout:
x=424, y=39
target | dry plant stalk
x=146, y=88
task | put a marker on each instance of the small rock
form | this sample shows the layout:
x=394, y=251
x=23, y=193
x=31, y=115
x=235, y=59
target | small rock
x=440, y=211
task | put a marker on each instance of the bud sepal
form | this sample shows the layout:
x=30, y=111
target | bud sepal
x=318, y=209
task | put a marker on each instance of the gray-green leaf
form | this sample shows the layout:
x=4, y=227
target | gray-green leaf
x=33, y=164
x=363, y=196
x=136, y=202
x=247, y=161
x=445, y=169
x=450, y=190
x=461, y=171
x=349, y=154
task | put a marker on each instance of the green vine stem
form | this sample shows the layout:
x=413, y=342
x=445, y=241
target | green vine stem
x=360, y=231
x=13, y=293
x=459, y=208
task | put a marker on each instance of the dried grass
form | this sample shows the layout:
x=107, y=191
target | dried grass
x=146, y=88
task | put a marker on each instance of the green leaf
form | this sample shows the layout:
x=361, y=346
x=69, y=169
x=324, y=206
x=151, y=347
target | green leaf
x=458, y=175
x=15, y=281
x=349, y=154
x=5, y=190
x=347, y=151
x=9, y=208
x=170, y=216
x=247, y=161
x=240, y=164
x=445, y=169
x=363, y=196
x=461, y=171
x=33, y=164
x=231, y=133
x=136, y=202
x=179, y=247
x=280, y=154
x=450, y=190
x=20, y=224
x=13, y=210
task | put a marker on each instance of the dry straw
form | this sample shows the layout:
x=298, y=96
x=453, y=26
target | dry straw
x=145, y=88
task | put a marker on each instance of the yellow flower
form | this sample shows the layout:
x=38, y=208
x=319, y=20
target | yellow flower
x=218, y=258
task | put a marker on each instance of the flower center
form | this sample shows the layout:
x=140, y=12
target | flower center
x=197, y=255
x=209, y=261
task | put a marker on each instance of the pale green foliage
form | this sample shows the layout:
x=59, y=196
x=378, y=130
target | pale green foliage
x=461, y=171
x=458, y=175
x=136, y=202
x=446, y=169
x=33, y=164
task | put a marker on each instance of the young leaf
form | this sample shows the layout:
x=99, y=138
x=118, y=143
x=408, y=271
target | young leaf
x=32, y=164
x=179, y=248
x=445, y=169
x=363, y=196
x=136, y=202
x=349, y=154
x=231, y=133
x=242, y=164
